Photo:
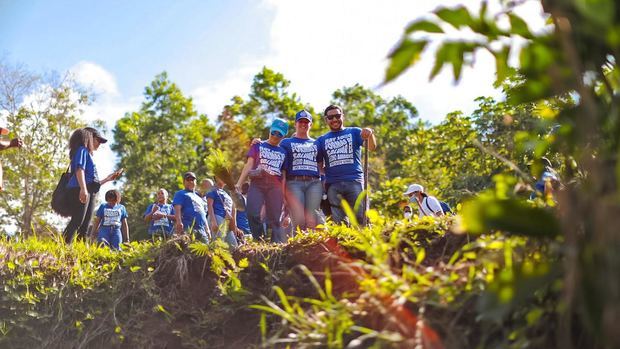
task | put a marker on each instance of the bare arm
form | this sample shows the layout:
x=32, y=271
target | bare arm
x=125, y=230
x=233, y=219
x=177, y=217
x=148, y=216
x=369, y=135
x=244, y=173
x=112, y=176
x=212, y=219
x=93, y=234
x=81, y=179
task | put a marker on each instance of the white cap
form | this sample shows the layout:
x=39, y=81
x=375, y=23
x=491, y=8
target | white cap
x=413, y=188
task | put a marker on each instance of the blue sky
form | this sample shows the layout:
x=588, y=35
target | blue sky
x=212, y=49
x=135, y=40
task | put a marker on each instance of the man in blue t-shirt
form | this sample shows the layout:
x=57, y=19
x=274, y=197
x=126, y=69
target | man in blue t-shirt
x=160, y=215
x=189, y=208
x=339, y=152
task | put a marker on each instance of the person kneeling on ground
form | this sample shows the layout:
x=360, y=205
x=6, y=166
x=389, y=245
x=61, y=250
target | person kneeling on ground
x=111, y=221
x=427, y=205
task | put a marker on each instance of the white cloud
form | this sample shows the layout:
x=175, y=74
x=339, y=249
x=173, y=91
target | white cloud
x=109, y=106
x=324, y=45
x=212, y=97
x=95, y=77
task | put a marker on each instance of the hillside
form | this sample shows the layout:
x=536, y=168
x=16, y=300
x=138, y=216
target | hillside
x=393, y=285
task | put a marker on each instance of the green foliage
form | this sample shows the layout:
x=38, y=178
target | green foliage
x=219, y=164
x=393, y=121
x=165, y=138
x=576, y=56
x=498, y=210
x=43, y=113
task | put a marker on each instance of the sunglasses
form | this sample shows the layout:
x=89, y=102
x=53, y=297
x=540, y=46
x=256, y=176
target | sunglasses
x=331, y=117
x=277, y=134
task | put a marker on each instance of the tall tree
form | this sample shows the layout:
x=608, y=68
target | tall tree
x=158, y=143
x=393, y=121
x=578, y=55
x=243, y=120
x=43, y=112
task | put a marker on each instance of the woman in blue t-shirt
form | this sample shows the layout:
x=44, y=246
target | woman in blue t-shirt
x=84, y=182
x=264, y=167
x=303, y=183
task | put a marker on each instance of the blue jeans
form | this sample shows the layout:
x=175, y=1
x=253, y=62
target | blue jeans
x=304, y=201
x=201, y=234
x=110, y=236
x=268, y=192
x=229, y=238
x=349, y=191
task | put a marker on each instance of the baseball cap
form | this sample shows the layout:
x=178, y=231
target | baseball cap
x=414, y=188
x=279, y=125
x=303, y=115
x=97, y=134
x=189, y=175
x=4, y=131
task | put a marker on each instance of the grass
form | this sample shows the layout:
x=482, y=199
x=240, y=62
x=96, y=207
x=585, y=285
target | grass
x=389, y=285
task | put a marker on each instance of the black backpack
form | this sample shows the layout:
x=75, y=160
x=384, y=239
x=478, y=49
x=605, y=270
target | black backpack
x=59, y=196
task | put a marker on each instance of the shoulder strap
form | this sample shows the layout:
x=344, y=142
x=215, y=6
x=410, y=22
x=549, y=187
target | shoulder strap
x=429, y=208
x=422, y=206
x=223, y=202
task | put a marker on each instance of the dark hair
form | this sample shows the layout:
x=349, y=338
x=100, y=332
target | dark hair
x=332, y=107
x=545, y=162
x=80, y=137
x=113, y=195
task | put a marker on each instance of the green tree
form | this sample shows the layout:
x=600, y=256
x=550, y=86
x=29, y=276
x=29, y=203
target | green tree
x=393, y=121
x=157, y=144
x=578, y=56
x=43, y=113
x=243, y=120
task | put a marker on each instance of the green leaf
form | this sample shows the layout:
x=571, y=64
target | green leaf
x=487, y=213
x=519, y=26
x=501, y=63
x=423, y=26
x=457, y=17
x=405, y=55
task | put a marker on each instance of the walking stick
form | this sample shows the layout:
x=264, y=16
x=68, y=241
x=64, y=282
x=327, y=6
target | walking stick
x=366, y=193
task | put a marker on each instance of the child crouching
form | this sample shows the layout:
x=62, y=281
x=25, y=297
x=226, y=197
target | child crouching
x=111, y=221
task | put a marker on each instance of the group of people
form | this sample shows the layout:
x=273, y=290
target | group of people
x=287, y=179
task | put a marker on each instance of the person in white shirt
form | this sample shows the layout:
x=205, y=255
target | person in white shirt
x=427, y=205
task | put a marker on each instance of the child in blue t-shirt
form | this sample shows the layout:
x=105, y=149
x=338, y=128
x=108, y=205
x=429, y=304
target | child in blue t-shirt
x=111, y=221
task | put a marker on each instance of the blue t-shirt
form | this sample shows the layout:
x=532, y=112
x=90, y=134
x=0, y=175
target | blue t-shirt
x=193, y=213
x=341, y=152
x=300, y=157
x=220, y=208
x=111, y=217
x=157, y=225
x=82, y=159
x=242, y=219
x=267, y=157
